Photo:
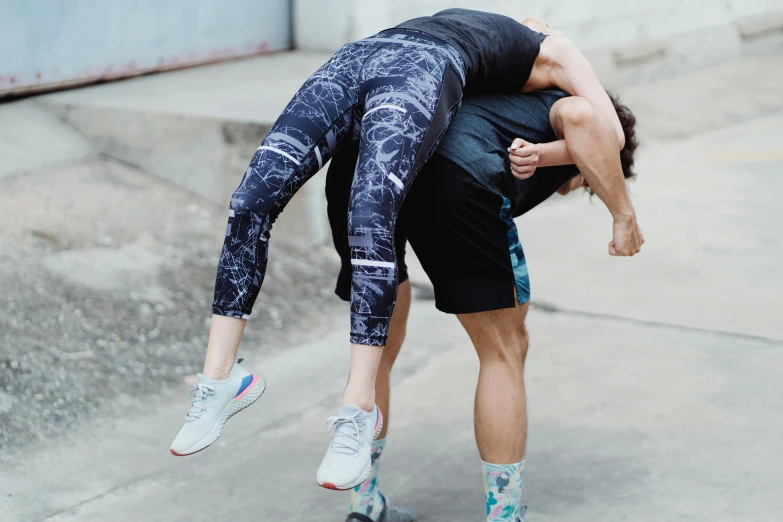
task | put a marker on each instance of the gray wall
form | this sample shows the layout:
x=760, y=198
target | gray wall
x=619, y=36
x=51, y=43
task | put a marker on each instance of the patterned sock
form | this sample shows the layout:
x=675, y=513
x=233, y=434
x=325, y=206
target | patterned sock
x=503, y=486
x=366, y=498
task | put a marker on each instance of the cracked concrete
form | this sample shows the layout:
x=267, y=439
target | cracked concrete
x=106, y=290
x=626, y=421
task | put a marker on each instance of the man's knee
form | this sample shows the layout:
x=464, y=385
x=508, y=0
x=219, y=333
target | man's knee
x=521, y=340
x=524, y=340
x=499, y=335
x=509, y=347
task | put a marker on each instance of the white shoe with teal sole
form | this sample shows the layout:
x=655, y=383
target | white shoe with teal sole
x=214, y=402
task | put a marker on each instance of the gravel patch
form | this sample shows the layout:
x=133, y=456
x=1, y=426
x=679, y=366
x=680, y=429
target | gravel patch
x=106, y=290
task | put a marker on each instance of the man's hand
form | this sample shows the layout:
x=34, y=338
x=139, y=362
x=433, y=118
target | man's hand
x=628, y=238
x=524, y=158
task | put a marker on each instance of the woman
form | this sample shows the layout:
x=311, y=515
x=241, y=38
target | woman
x=398, y=90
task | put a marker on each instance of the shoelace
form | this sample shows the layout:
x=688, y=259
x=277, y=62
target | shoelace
x=201, y=392
x=349, y=442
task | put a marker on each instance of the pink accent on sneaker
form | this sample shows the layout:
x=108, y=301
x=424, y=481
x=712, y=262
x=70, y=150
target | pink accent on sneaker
x=250, y=387
x=379, y=420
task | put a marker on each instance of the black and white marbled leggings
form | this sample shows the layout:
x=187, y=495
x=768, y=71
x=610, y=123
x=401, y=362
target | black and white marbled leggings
x=395, y=91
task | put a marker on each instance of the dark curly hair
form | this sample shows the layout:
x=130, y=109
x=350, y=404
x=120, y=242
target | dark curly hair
x=628, y=122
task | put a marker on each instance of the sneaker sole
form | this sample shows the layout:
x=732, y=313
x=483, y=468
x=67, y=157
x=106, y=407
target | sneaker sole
x=248, y=397
x=366, y=474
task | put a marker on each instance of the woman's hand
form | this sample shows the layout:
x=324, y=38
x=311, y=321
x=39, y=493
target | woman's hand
x=524, y=158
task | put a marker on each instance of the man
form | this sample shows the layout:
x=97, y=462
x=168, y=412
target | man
x=400, y=89
x=458, y=219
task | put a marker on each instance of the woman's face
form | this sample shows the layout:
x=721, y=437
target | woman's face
x=540, y=26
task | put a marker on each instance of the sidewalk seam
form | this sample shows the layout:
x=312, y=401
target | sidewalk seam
x=96, y=497
x=64, y=164
x=554, y=309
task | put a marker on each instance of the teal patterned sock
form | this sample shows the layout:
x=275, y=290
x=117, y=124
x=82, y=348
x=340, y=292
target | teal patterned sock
x=366, y=498
x=503, y=486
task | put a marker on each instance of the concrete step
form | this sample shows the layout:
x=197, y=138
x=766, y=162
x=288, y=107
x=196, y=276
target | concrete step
x=33, y=138
x=198, y=128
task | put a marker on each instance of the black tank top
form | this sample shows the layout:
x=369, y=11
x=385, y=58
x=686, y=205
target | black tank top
x=499, y=52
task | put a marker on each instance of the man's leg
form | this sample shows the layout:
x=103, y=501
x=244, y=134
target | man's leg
x=393, y=344
x=470, y=250
x=501, y=342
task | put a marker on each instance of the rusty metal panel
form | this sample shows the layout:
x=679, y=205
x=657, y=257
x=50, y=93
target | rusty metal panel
x=51, y=44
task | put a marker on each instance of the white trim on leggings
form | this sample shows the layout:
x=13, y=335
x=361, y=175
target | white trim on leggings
x=368, y=262
x=379, y=107
x=318, y=156
x=394, y=179
x=266, y=147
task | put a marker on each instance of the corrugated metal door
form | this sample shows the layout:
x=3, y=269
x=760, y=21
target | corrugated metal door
x=48, y=44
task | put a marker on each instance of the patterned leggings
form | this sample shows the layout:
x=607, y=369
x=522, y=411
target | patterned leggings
x=397, y=91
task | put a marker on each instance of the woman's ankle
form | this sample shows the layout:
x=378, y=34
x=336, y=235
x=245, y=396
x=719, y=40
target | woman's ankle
x=217, y=372
x=365, y=401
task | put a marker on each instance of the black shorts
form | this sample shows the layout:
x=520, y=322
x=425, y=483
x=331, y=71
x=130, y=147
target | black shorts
x=461, y=231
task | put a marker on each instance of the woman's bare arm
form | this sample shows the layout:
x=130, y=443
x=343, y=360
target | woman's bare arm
x=570, y=71
x=554, y=153
x=525, y=157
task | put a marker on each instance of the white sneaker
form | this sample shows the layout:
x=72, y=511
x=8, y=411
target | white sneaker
x=348, y=460
x=214, y=402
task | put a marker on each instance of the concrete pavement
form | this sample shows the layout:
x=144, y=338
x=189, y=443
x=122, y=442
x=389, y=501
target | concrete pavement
x=626, y=422
x=654, y=382
x=709, y=207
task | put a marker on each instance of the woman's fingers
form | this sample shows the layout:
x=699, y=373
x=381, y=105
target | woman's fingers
x=523, y=176
x=522, y=151
x=523, y=169
x=521, y=160
x=522, y=172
